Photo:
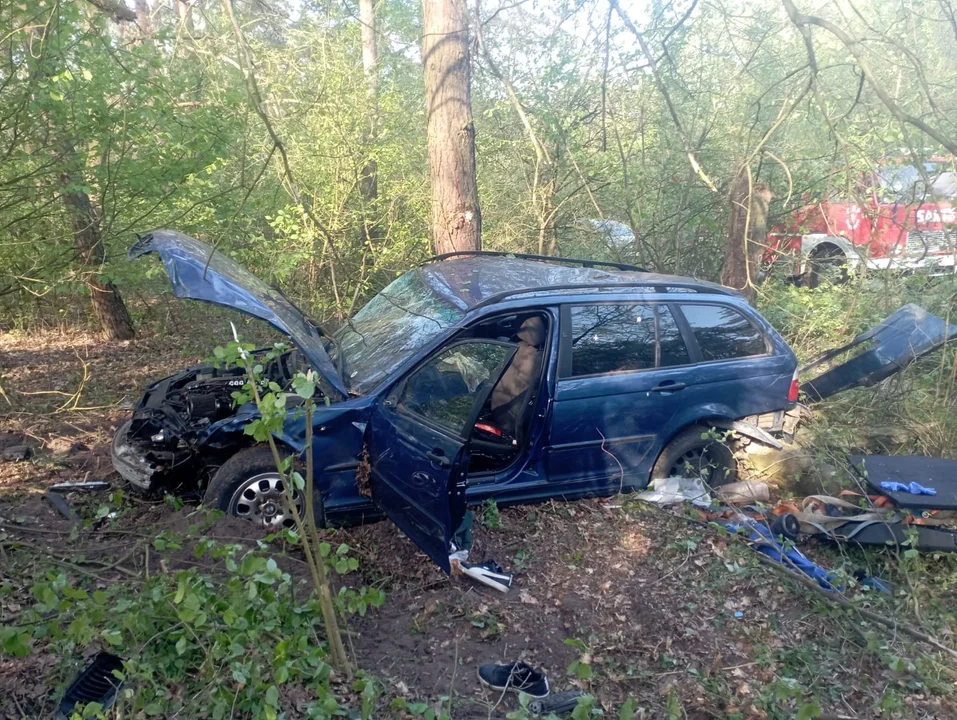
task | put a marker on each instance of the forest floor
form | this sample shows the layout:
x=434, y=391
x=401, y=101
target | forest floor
x=611, y=596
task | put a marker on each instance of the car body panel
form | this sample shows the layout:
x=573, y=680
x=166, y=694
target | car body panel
x=894, y=343
x=199, y=272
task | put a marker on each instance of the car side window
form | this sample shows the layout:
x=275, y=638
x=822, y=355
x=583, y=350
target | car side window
x=723, y=333
x=624, y=337
x=673, y=350
x=445, y=389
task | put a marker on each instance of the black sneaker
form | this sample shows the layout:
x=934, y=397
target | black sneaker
x=518, y=677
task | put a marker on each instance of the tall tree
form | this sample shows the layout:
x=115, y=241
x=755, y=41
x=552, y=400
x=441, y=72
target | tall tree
x=370, y=66
x=456, y=217
x=108, y=306
x=747, y=234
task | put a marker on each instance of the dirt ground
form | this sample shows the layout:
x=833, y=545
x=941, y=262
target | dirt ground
x=664, y=609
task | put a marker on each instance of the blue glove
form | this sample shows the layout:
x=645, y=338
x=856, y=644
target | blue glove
x=914, y=488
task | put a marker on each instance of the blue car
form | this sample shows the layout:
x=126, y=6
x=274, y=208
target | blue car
x=475, y=376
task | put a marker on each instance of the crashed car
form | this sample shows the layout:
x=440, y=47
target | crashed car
x=477, y=375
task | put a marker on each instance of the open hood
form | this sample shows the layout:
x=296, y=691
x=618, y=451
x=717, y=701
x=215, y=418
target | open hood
x=198, y=272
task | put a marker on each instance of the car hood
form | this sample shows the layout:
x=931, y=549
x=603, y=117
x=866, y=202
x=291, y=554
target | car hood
x=198, y=272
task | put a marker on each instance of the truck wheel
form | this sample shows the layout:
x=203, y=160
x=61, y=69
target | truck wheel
x=690, y=455
x=826, y=265
x=248, y=486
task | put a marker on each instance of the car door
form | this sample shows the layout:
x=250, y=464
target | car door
x=418, y=441
x=737, y=372
x=623, y=371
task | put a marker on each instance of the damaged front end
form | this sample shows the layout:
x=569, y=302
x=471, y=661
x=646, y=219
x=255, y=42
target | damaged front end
x=168, y=442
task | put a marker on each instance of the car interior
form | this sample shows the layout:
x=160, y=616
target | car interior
x=501, y=430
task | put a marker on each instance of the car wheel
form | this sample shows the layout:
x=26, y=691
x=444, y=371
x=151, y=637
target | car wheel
x=248, y=486
x=690, y=455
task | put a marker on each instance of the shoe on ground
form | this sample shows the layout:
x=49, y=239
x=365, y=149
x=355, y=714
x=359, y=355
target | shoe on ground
x=518, y=677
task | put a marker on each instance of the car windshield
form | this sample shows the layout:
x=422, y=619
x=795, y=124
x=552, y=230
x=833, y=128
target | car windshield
x=397, y=322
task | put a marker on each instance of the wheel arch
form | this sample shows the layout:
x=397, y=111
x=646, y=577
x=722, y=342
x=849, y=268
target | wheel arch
x=818, y=246
x=707, y=418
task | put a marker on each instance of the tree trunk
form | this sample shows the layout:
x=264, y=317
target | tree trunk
x=144, y=17
x=747, y=234
x=456, y=218
x=370, y=65
x=184, y=13
x=108, y=307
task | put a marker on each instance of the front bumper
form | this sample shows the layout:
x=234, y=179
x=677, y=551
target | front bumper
x=130, y=462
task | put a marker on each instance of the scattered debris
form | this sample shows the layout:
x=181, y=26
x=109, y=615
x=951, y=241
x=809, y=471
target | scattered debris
x=674, y=490
x=517, y=677
x=60, y=504
x=91, y=486
x=488, y=573
x=936, y=473
x=762, y=539
x=17, y=453
x=96, y=683
x=745, y=492
x=556, y=703
x=913, y=487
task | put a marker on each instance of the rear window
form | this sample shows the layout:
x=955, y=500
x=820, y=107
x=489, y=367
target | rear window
x=624, y=337
x=724, y=333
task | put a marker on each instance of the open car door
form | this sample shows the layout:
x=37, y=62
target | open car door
x=418, y=443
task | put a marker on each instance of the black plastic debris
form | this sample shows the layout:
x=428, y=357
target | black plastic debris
x=96, y=683
x=937, y=473
x=90, y=486
x=61, y=505
x=17, y=453
x=557, y=703
x=894, y=343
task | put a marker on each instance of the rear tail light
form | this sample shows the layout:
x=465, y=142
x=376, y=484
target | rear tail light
x=795, y=387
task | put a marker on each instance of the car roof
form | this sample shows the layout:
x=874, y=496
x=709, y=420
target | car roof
x=475, y=281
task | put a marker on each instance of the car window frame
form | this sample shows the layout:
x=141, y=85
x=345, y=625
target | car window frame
x=392, y=399
x=565, y=348
x=694, y=347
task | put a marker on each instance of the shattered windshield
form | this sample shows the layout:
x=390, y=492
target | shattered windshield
x=397, y=322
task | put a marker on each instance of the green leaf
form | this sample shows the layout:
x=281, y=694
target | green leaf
x=628, y=709
x=272, y=696
x=180, y=591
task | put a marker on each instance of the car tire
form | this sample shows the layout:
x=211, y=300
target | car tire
x=689, y=447
x=248, y=486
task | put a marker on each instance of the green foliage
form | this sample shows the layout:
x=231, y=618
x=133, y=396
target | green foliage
x=231, y=644
x=580, y=668
x=490, y=515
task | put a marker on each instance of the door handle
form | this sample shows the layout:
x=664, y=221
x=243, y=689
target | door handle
x=438, y=457
x=669, y=386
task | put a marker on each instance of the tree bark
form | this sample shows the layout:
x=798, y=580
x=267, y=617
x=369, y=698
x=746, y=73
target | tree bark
x=144, y=17
x=184, y=13
x=456, y=217
x=747, y=234
x=108, y=306
x=369, y=184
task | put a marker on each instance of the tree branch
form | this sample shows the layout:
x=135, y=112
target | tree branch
x=115, y=9
x=659, y=82
x=853, y=46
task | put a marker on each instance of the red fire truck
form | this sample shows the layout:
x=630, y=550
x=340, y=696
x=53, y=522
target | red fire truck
x=880, y=235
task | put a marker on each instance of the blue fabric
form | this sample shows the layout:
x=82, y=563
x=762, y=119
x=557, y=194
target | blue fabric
x=913, y=488
x=763, y=540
